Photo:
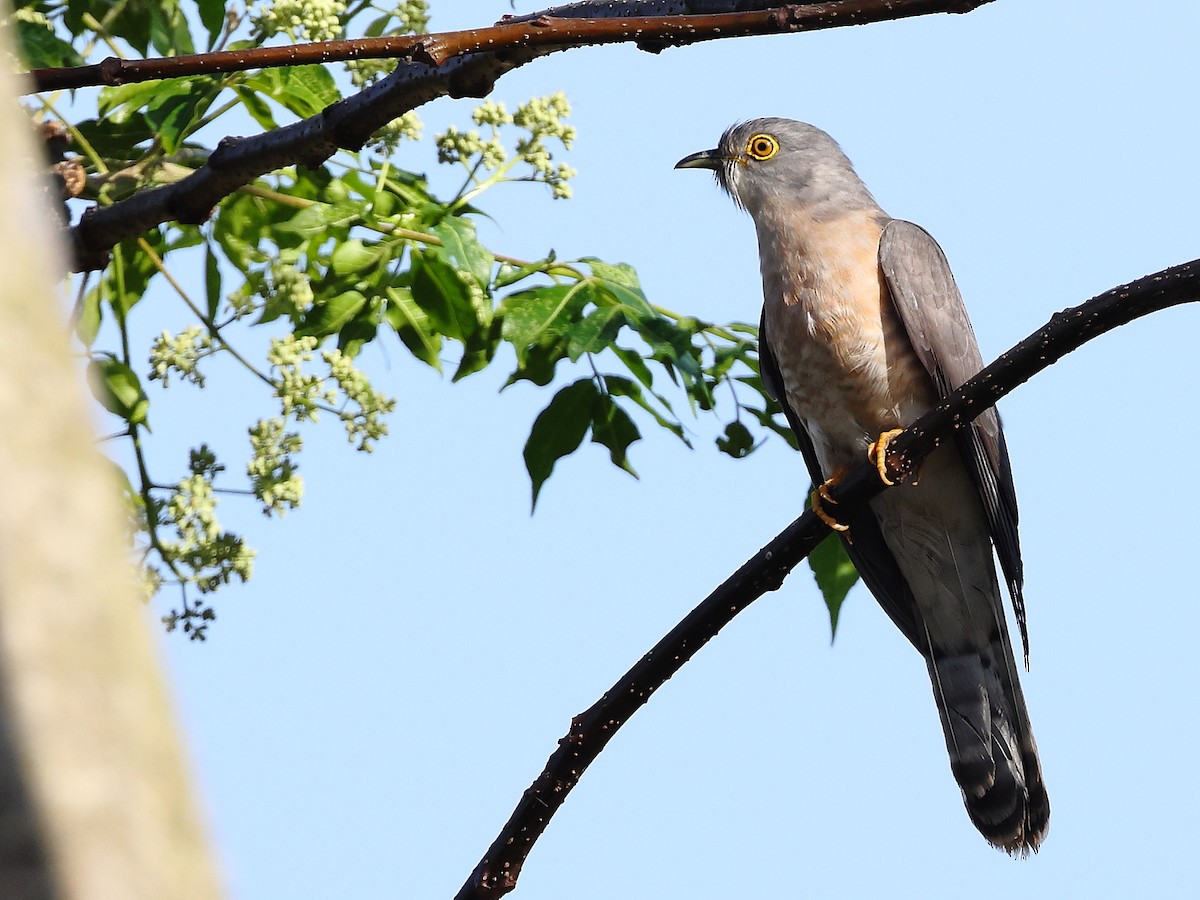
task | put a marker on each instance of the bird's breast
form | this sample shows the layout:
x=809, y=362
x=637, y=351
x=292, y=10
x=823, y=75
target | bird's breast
x=848, y=368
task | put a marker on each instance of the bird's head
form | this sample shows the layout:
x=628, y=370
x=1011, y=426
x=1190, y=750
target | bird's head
x=767, y=161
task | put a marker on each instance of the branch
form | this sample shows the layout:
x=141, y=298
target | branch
x=456, y=64
x=590, y=731
x=550, y=30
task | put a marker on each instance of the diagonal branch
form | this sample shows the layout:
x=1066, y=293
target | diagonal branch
x=590, y=731
x=455, y=64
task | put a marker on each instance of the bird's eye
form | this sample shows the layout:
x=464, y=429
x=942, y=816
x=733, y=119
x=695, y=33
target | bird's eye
x=762, y=147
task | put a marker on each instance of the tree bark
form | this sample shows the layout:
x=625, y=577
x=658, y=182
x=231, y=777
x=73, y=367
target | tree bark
x=94, y=796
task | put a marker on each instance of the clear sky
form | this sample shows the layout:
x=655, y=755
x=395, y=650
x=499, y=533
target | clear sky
x=369, y=709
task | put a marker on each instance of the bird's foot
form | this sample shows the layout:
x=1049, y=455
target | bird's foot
x=821, y=496
x=877, y=453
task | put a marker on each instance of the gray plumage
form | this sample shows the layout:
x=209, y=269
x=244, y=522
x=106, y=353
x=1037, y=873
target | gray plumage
x=863, y=330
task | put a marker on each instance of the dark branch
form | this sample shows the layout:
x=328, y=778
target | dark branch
x=590, y=731
x=455, y=64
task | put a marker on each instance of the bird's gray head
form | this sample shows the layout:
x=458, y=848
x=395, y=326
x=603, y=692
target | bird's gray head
x=766, y=161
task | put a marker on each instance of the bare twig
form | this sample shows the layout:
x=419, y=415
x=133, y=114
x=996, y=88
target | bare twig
x=590, y=731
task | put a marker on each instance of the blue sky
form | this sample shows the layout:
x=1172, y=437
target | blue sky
x=371, y=706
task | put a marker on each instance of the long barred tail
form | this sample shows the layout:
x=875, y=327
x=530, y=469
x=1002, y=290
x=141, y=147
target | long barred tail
x=992, y=752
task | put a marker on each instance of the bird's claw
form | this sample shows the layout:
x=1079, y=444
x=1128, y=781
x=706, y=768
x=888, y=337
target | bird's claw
x=877, y=453
x=820, y=497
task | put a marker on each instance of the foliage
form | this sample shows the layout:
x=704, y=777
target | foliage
x=329, y=260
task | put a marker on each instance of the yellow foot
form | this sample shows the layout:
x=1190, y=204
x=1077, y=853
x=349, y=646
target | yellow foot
x=877, y=453
x=821, y=496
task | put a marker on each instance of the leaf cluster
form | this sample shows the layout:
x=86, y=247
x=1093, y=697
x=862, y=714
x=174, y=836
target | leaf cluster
x=331, y=260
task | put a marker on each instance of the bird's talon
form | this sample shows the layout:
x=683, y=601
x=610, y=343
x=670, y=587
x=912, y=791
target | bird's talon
x=820, y=497
x=877, y=453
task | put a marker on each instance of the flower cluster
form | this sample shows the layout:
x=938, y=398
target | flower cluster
x=301, y=20
x=288, y=287
x=301, y=394
x=212, y=556
x=150, y=581
x=366, y=424
x=410, y=17
x=413, y=16
x=271, y=469
x=542, y=118
x=455, y=146
x=407, y=127
x=280, y=289
x=180, y=353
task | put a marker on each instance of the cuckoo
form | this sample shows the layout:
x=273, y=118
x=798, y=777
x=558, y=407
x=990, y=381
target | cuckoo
x=863, y=329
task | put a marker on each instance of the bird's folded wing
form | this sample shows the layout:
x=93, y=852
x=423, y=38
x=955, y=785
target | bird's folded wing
x=930, y=306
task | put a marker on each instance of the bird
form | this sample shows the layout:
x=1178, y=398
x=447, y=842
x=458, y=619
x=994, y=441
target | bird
x=863, y=330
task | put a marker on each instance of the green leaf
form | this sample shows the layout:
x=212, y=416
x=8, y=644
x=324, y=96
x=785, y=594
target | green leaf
x=304, y=90
x=352, y=256
x=88, y=316
x=212, y=17
x=596, y=332
x=238, y=227
x=128, y=273
x=724, y=358
x=42, y=49
x=169, y=32
x=834, y=574
x=132, y=20
x=478, y=351
x=384, y=204
x=737, y=442
x=413, y=327
x=176, y=105
x=117, y=387
x=558, y=431
x=258, y=108
x=539, y=362
x=621, y=283
x=114, y=139
x=119, y=104
x=619, y=386
x=462, y=249
x=439, y=289
x=532, y=314
x=612, y=427
x=329, y=317
x=316, y=219
x=212, y=281
x=670, y=344
x=636, y=365
x=362, y=329
x=768, y=419
x=378, y=26
x=412, y=189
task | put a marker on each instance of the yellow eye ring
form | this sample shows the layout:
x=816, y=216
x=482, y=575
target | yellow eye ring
x=762, y=147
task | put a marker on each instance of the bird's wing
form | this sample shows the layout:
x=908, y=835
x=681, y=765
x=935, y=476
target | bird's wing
x=931, y=308
x=869, y=552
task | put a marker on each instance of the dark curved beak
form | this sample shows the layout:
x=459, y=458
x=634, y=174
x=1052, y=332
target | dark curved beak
x=705, y=159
